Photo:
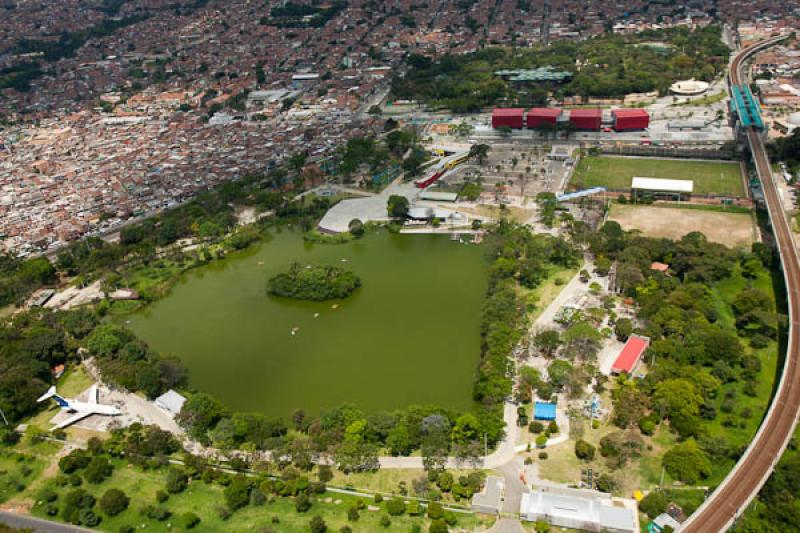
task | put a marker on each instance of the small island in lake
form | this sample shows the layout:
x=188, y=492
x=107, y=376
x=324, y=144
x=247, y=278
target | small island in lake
x=314, y=283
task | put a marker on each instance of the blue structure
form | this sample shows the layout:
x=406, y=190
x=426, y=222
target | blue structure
x=544, y=411
x=744, y=104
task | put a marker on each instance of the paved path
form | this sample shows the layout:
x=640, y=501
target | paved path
x=38, y=525
x=371, y=208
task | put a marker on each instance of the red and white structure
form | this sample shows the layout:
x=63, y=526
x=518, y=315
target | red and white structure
x=631, y=354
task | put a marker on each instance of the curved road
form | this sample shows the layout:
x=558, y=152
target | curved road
x=742, y=484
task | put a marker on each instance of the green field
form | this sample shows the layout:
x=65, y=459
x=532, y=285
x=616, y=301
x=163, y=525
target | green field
x=710, y=177
x=204, y=499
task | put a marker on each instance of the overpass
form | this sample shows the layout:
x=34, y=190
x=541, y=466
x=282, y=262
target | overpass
x=742, y=484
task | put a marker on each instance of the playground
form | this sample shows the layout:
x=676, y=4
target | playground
x=710, y=177
x=730, y=229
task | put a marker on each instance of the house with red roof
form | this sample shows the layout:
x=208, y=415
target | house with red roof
x=631, y=354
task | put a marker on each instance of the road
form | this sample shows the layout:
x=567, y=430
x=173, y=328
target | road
x=35, y=524
x=742, y=484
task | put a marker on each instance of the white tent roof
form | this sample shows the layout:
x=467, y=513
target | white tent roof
x=658, y=184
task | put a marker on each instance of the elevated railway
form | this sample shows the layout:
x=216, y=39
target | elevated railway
x=742, y=484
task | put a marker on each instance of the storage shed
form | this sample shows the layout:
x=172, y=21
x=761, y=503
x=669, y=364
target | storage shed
x=542, y=115
x=586, y=119
x=630, y=119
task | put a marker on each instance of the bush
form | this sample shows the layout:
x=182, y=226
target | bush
x=378, y=498
x=536, y=427
x=224, y=512
x=435, y=510
x=438, y=526
x=190, y=520
x=161, y=496
x=450, y=518
x=318, y=525
x=48, y=495
x=541, y=441
x=345, y=529
x=352, y=514
x=647, y=425
x=413, y=508
x=386, y=521
x=584, y=450
x=395, y=507
x=552, y=427
x=113, y=502
x=76, y=460
x=302, y=503
x=177, y=480
x=97, y=470
x=543, y=455
x=654, y=503
x=325, y=473
x=156, y=512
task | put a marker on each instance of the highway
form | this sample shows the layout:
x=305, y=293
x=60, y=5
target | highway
x=742, y=484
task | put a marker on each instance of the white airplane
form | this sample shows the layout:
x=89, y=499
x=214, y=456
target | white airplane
x=81, y=409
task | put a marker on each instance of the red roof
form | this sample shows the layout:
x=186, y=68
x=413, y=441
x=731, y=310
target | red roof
x=508, y=112
x=544, y=112
x=630, y=113
x=593, y=112
x=629, y=357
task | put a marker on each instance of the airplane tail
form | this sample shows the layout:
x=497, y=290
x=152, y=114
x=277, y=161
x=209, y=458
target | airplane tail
x=51, y=393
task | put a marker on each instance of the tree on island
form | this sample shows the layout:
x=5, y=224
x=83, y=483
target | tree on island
x=313, y=283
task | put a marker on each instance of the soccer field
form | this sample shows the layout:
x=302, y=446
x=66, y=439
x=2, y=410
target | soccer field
x=715, y=177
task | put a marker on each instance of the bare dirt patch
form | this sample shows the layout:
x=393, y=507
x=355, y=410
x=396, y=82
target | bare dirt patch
x=730, y=229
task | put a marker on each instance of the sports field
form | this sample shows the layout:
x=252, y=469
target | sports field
x=730, y=229
x=715, y=177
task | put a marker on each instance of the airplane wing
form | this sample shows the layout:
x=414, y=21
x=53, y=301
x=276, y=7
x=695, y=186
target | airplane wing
x=93, y=394
x=71, y=420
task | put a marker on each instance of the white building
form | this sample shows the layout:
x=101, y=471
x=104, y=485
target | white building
x=586, y=510
x=171, y=402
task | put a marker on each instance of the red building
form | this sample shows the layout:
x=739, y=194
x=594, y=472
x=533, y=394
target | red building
x=510, y=116
x=542, y=115
x=630, y=119
x=586, y=119
x=628, y=359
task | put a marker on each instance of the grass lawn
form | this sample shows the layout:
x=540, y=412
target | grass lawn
x=388, y=481
x=541, y=296
x=745, y=428
x=17, y=471
x=203, y=500
x=616, y=173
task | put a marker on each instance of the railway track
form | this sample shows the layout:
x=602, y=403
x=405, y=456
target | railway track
x=742, y=484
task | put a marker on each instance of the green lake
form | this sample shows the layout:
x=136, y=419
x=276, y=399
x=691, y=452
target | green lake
x=409, y=335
